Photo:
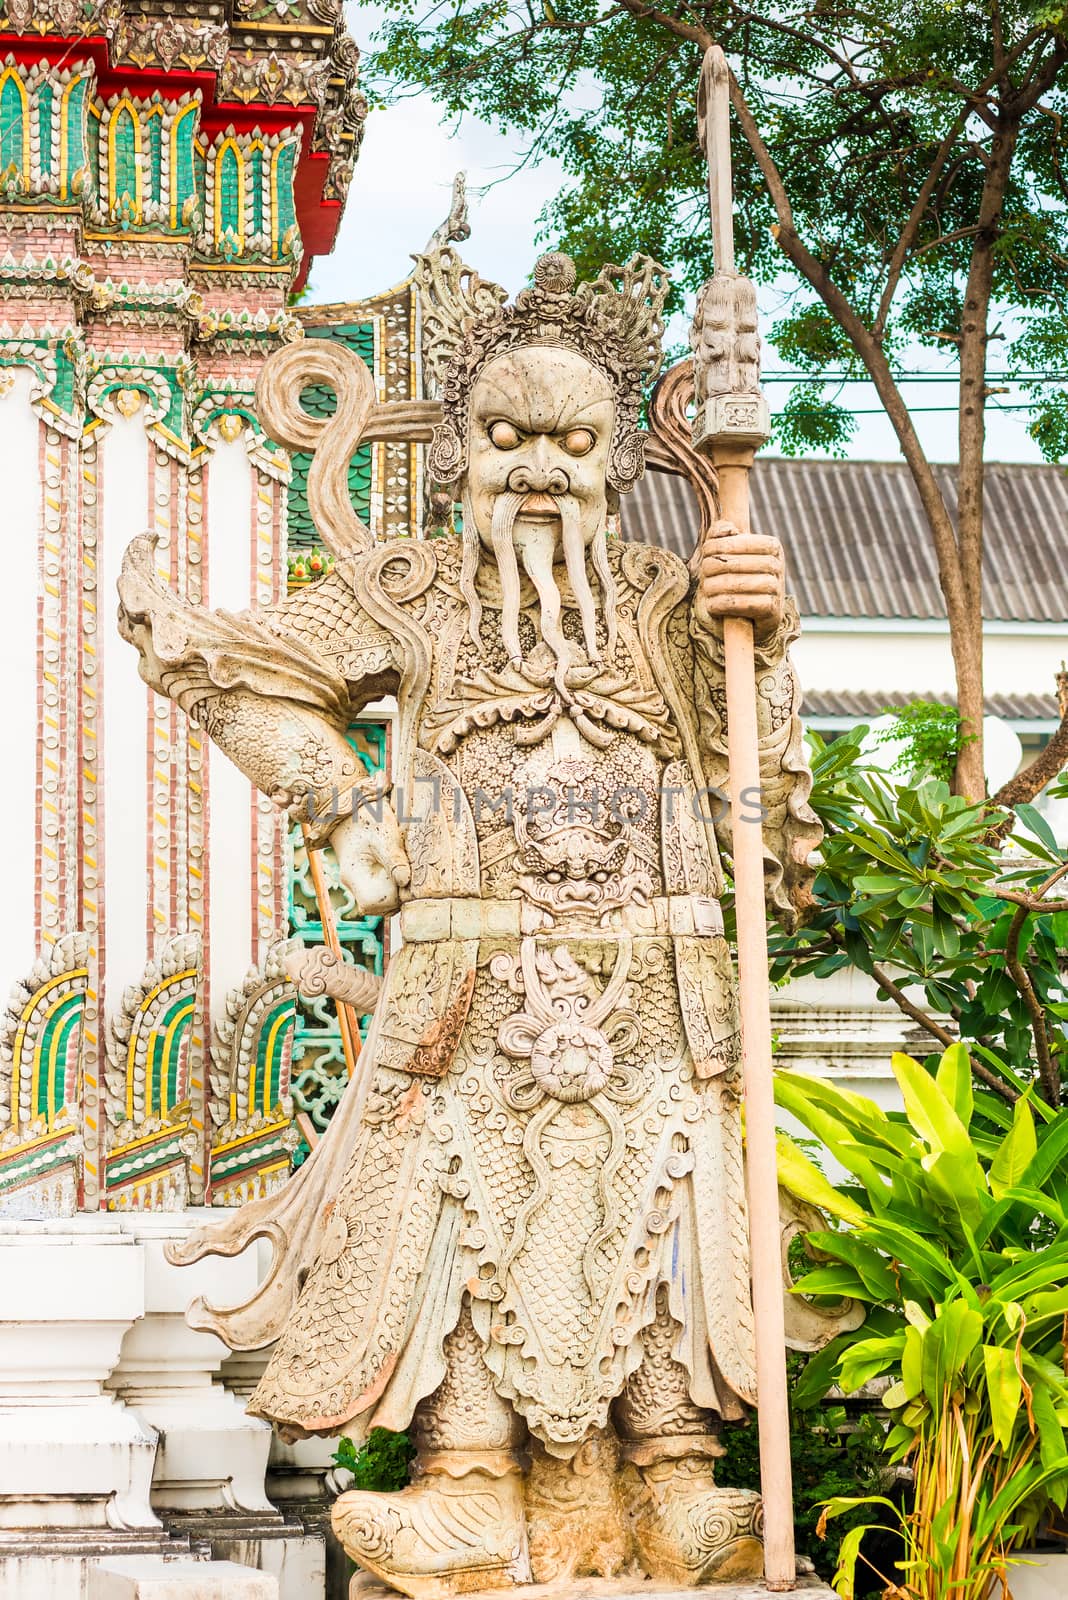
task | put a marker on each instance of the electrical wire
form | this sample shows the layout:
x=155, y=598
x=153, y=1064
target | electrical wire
x=915, y=377
x=914, y=411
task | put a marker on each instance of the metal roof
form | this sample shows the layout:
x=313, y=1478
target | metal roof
x=857, y=543
x=865, y=703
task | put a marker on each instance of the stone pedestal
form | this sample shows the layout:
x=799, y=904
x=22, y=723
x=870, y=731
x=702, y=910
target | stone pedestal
x=211, y=1453
x=1037, y=1577
x=293, y=1556
x=300, y=1483
x=364, y=1587
x=71, y=1456
x=158, y=1578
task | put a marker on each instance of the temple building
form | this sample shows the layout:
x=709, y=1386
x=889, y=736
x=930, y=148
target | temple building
x=168, y=173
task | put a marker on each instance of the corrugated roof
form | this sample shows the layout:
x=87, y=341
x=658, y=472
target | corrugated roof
x=872, y=702
x=857, y=543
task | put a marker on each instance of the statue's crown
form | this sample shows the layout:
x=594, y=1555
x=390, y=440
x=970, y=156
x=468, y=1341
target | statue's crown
x=615, y=320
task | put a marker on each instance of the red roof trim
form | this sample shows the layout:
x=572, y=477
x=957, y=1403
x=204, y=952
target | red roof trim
x=317, y=218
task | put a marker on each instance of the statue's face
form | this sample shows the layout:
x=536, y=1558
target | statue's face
x=541, y=421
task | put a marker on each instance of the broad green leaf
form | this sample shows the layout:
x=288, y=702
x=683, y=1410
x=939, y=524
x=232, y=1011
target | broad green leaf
x=838, y=1279
x=1037, y=824
x=958, y=1182
x=829, y=1129
x=867, y=1359
x=1051, y=1439
x=928, y=1109
x=916, y=1254
x=845, y=1576
x=1052, y=1154
x=1034, y=1204
x=912, y=1363
x=804, y=1179
x=954, y=1078
x=1016, y=1151
x=899, y=1441
x=1039, y=1307
x=876, y=883
x=1005, y=1388
x=871, y=1267
x=947, y=1344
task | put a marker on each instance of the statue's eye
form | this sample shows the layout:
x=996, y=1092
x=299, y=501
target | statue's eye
x=578, y=442
x=503, y=435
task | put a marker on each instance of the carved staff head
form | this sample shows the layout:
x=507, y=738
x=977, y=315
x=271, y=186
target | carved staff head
x=540, y=403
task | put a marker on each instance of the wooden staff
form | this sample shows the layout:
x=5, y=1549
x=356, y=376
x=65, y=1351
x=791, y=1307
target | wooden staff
x=347, y=1020
x=730, y=433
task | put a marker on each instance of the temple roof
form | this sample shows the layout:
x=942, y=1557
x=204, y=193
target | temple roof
x=864, y=704
x=858, y=545
x=257, y=63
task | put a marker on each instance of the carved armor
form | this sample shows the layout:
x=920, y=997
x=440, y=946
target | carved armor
x=534, y=1190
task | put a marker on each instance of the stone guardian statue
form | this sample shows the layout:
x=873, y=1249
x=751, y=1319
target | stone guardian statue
x=524, y=1237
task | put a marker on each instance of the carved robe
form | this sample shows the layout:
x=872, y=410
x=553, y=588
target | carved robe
x=545, y=1114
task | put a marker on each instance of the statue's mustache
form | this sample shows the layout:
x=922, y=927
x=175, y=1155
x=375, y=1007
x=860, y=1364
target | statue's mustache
x=538, y=558
x=526, y=502
x=541, y=502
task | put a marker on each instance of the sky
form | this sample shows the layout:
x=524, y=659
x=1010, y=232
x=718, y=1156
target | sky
x=401, y=192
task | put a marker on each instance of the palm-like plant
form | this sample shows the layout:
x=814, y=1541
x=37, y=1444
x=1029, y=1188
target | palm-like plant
x=958, y=1241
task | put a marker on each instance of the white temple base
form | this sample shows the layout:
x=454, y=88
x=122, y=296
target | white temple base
x=157, y=1578
x=54, y=1564
x=294, y=1556
x=71, y=1456
x=211, y=1453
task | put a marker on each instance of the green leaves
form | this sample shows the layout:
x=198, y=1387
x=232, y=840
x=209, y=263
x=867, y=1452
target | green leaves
x=1004, y=1384
x=855, y=114
x=1015, y=1153
x=914, y=891
x=961, y=1251
x=798, y=1174
x=946, y=1344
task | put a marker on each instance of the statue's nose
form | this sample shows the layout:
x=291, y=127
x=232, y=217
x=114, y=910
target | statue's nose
x=536, y=474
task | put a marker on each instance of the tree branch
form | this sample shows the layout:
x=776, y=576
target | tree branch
x=911, y=1009
x=944, y=1037
x=1044, y=768
x=1047, y=1070
x=682, y=30
x=907, y=237
x=1020, y=976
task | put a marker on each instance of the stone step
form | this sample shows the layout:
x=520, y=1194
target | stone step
x=157, y=1578
x=365, y=1587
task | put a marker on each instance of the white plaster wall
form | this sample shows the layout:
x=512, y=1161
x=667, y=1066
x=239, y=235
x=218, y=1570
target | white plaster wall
x=125, y=702
x=864, y=653
x=230, y=912
x=20, y=476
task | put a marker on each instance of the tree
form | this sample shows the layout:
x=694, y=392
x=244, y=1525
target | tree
x=914, y=890
x=904, y=165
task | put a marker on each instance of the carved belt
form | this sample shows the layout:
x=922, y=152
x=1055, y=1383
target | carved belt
x=466, y=917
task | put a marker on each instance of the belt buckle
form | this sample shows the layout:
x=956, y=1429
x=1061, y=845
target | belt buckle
x=707, y=917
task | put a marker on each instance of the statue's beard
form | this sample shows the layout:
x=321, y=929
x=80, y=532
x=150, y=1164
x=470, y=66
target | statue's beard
x=537, y=556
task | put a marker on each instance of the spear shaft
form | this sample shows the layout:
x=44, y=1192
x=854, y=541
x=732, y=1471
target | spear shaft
x=348, y=1023
x=730, y=434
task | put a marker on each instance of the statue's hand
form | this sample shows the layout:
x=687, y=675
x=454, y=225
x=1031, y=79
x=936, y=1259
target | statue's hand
x=740, y=575
x=371, y=858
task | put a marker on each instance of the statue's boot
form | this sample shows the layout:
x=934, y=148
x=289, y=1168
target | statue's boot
x=688, y=1530
x=578, y=1512
x=458, y=1527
